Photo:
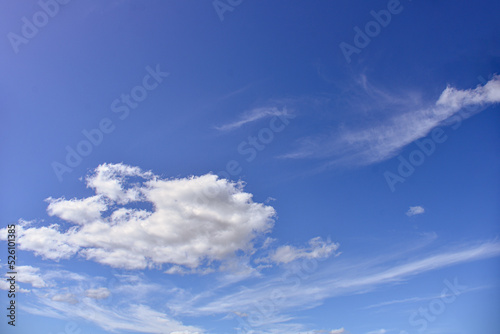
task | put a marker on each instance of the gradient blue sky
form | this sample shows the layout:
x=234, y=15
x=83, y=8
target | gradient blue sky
x=258, y=92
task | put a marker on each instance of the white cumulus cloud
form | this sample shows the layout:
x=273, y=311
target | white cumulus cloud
x=194, y=221
x=415, y=210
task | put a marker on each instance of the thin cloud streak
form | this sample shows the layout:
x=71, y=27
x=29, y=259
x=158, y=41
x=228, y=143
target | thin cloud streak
x=297, y=294
x=313, y=291
x=371, y=145
x=253, y=116
x=420, y=299
x=127, y=310
x=399, y=273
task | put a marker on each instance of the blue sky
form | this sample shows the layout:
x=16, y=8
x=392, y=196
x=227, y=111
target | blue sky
x=251, y=167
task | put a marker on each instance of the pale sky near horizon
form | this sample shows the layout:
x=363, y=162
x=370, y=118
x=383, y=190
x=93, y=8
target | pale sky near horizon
x=236, y=166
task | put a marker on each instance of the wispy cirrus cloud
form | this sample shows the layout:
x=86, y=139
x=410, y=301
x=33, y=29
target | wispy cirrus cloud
x=137, y=318
x=70, y=297
x=133, y=307
x=337, y=279
x=384, y=139
x=99, y=293
x=420, y=299
x=317, y=249
x=324, y=331
x=253, y=115
x=378, y=331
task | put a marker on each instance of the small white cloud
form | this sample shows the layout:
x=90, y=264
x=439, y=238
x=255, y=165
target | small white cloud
x=176, y=270
x=415, y=210
x=323, y=331
x=269, y=200
x=379, y=331
x=241, y=314
x=65, y=298
x=99, y=293
x=317, y=249
x=337, y=331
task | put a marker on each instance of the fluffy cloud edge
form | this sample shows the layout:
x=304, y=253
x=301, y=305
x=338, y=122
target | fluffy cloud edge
x=197, y=225
x=195, y=221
